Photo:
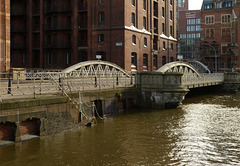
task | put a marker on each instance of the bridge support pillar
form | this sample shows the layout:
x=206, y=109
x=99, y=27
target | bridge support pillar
x=161, y=90
x=231, y=82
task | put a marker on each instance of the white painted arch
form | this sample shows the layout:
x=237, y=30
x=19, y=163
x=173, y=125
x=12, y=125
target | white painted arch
x=95, y=68
x=181, y=67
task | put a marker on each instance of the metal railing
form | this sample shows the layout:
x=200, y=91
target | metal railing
x=18, y=85
x=203, y=79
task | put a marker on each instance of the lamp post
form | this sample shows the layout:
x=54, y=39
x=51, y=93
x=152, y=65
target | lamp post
x=215, y=55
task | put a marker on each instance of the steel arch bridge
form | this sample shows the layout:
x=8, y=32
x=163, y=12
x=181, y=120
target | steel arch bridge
x=199, y=66
x=94, y=69
x=180, y=67
x=192, y=78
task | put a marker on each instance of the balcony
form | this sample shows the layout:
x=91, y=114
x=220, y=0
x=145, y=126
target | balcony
x=18, y=29
x=36, y=28
x=59, y=9
x=18, y=12
x=36, y=11
x=18, y=45
x=58, y=45
x=62, y=27
x=82, y=43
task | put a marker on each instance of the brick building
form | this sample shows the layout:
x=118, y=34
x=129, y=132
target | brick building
x=220, y=34
x=55, y=34
x=4, y=35
x=190, y=34
x=137, y=35
x=48, y=33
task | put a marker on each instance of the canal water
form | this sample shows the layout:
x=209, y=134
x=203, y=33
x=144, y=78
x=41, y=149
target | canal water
x=203, y=131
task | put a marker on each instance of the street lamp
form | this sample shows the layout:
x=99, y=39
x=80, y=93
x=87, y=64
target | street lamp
x=215, y=55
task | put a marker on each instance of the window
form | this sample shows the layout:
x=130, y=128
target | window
x=163, y=60
x=145, y=41
x=134, y=59
x=49, y=58
x=225, y=48
x=101, y=17
x=208, y=6
x=171, y=46
x=164, y=44
x=171, y=15
x=133, y=19
x=144, y=22
x=209, y=32
x=133, y=2
x=154, y=60
x=198, y=21
x=209, y=20
x=226, y=18
x=145, y=60
x=171, y=2
x=219, y=5
x=233, y=38
x=171, y=59
x=163, y=28
x=163, y=12
x=68, y=58
x=101, y=38
x=134, y=39
x=228, y=4
x=144, y=4
x=225, y=32
x=171, y=30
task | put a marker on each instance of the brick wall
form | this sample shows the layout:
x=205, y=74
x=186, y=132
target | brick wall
x=7, y=131
x=28, y=127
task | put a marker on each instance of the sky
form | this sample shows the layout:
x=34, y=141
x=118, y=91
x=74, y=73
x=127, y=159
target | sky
x=195, y=4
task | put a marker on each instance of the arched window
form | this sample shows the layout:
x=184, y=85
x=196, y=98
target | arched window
x=144, y=4
x=133, y=19
x=134, y=59
x=145, y=60
x=101, y=17
x=133, y=39
x=163, y=60
x=155, y=60
x=145, y=41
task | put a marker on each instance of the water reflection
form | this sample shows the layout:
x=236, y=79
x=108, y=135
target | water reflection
x=203, y=131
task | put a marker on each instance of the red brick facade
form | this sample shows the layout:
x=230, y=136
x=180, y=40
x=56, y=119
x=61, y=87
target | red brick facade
x=55, y=34
x=124, y=21
x=220, y=29
x=4, y=35
x=7, y=131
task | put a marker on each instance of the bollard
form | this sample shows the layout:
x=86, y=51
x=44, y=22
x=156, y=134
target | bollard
x=95, y=81
x=9, y=85
x=117, y=80
x=18, y=74
x=60, y=83
x=34, y=92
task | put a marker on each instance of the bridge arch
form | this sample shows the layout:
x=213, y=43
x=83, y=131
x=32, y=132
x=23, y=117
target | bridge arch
x=95, y=68
x=199, y=66
x=182, y=67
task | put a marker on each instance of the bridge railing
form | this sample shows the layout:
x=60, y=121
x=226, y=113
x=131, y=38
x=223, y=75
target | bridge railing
x=19, y=85
x=202, y=79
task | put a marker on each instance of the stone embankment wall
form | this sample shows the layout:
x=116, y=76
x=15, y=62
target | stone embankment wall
x=51, y=114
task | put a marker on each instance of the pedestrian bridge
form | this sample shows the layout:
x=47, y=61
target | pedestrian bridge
x=193, y=77
x=98, y=75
